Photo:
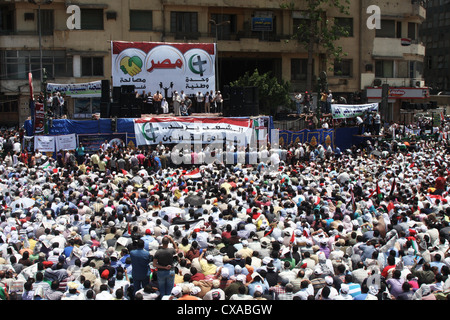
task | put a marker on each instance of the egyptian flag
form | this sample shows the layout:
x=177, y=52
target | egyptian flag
x=268, y=233
x=193, y=174
x=125, y=172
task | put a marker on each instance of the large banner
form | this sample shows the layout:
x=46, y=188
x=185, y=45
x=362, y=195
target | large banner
x=77, y=90
x=342, y=111
x=164, y=67
x=93, y=142
x=44, y=143
x=190, y=129
x=66, y=142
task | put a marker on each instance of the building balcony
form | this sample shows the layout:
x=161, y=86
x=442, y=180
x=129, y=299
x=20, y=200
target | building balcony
x=369, y=80
x=393, y=48
x=418, y=10
x=411, y=9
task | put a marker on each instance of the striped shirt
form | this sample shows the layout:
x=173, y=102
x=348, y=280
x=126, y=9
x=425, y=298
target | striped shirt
x=354, y=289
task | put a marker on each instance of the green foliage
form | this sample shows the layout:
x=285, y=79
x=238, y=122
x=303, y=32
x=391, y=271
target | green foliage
x=316, y=32
x=272, y=92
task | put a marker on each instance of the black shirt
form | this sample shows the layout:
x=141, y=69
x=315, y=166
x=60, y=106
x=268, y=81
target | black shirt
x=165, y=256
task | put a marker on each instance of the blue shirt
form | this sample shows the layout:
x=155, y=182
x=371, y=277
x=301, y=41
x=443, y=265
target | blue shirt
x=437, y=264
x=140, y=261
x=147, y=239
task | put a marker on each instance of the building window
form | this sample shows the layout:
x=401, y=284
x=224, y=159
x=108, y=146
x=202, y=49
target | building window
x=384, y=69
x=345, y=25
x=387, y=29
x=412, y=33
x=301, y=25
x=9, y=109
x=91, y=66
x=19, y=63
x=6, y=19
x=9, y=103
x=91, y=19
x=224, y=30
x=402, y=69
x=48, y=22
x=141, y=20
x=84, y=108
x=343, y=67
x=415, y=69
x=299, y=69
x=184, y=25
x=264, y=27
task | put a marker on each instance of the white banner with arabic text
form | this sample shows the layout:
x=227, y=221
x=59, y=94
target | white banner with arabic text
x=44, y=143
x=77, y=90
x=66, y=142
x=192, y=130
x=342, y=111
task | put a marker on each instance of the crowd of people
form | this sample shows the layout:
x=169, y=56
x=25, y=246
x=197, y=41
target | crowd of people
x=315, y=224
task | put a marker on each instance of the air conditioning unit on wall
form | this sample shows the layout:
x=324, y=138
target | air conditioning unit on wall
x=417, y=83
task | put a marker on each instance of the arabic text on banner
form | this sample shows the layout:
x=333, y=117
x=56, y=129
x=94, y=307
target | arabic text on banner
x=77, y=90
x=44, y=143
x=341, y=111
x=164, y=67
x=192, y=130
x=66, y=142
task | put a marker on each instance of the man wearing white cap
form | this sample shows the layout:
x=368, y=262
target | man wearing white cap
x=329, y=283
x=343, y=293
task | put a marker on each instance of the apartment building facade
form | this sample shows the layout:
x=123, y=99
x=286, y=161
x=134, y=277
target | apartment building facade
x=434, y=33
x=249, y=34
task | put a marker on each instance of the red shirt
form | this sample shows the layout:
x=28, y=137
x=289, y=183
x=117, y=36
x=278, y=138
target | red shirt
x=198, y=276
x=385, y=271
x=440, y=183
